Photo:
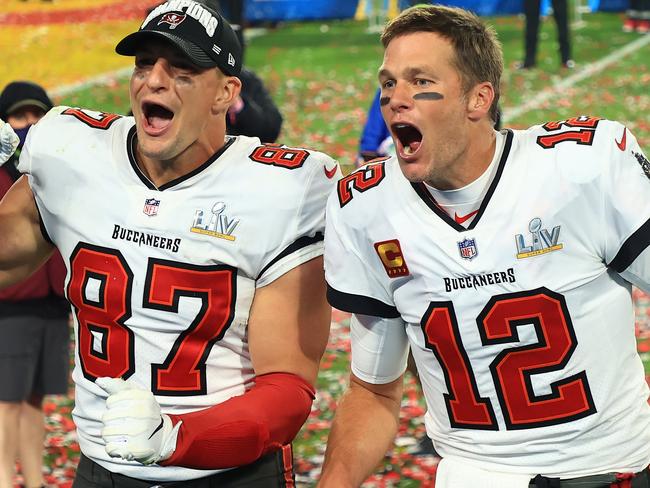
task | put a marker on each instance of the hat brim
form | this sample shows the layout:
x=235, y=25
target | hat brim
x=129, y=45
x=28, y=102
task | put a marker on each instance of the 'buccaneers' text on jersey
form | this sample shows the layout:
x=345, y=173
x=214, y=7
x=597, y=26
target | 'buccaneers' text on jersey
x=161, y=280
x=521, y=323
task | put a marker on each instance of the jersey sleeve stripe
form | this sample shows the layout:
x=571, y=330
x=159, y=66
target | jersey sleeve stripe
x=301, y=242
x=632, y=248
x=46, y=236
x=349, y=302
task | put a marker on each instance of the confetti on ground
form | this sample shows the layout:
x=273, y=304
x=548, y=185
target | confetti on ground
x=324, y=108
x=400, y=467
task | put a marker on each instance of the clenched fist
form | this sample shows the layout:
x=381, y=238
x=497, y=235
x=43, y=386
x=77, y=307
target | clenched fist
x=134, y=427
x=8, y=141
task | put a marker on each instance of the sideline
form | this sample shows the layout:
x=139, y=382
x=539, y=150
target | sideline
x=103, y=79
x=584, y=73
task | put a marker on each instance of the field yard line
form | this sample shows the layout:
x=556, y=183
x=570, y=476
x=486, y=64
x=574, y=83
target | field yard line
x=102, y=79
x=586, y=72
x=512, y=113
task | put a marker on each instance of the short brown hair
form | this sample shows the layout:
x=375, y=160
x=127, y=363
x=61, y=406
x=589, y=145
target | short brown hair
x=478, y=55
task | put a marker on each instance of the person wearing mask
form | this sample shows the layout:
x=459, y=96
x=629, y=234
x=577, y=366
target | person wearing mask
x=34, y=331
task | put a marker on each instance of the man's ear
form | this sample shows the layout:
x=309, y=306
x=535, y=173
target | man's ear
x=480, y=100
x=226, y=96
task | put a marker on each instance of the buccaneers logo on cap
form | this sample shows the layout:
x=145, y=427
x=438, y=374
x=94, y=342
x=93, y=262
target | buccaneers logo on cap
x=173, y=19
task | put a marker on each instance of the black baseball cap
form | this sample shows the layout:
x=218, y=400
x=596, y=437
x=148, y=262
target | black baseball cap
x=18, y=94
x=199, y=31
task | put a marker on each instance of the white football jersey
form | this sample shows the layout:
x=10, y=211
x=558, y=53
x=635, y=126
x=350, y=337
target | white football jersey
x=161, y=280
x=522, y=324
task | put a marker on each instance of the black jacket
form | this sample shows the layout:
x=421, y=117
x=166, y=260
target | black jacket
x=260, y=116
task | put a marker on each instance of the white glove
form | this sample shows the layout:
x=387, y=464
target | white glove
x=8, y=141
x=134, y=427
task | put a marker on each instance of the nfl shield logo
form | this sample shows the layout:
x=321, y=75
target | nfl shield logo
x=151, y=207
x=467, y=248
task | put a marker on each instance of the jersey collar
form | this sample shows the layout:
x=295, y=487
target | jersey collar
x=131, y=141
x=427, y=198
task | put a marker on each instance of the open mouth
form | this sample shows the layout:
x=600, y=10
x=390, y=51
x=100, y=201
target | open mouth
x=157, y=117
x=409, y=137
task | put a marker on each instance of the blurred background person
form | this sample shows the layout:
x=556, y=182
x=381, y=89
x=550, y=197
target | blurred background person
x=34, y=327
x=637, y=17
x=254, y=113
x=561, y=16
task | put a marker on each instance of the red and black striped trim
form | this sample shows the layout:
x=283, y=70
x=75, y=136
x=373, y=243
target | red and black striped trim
x=349, y=302
x=131, y=141
x=631, y=248
x=428, y=199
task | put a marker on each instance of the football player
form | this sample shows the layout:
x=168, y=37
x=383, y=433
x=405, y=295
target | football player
x=34, y=320
x=194, y=263
x=505, y=262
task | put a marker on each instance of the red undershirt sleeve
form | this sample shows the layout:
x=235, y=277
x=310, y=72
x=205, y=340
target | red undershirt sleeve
x=244, y=428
